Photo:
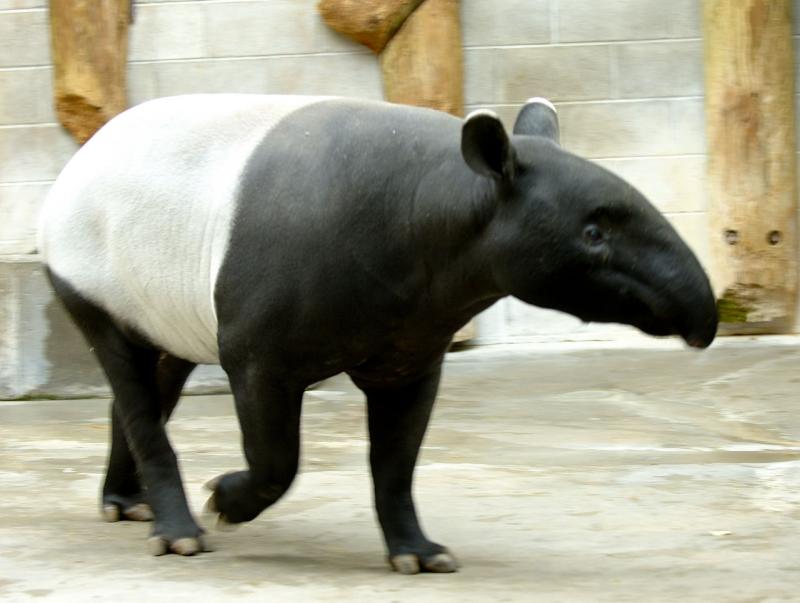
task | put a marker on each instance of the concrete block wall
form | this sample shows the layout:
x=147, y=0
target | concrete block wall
x=626, y=76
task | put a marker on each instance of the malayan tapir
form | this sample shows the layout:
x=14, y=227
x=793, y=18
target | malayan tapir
x=291, y=238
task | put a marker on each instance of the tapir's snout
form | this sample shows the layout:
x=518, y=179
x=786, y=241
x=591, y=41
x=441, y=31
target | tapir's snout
x=702, y=318
x=681, y=299
x=702, y=322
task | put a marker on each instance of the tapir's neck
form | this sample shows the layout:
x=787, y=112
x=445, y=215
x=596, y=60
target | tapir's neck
x=451, y=212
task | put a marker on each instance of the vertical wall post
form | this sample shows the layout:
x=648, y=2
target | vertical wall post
x=750, y=124
x=90, y=52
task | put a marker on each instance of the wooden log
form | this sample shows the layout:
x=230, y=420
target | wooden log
x=422, y=64
x=370, y=22
x=749, y=71
x=90, y=47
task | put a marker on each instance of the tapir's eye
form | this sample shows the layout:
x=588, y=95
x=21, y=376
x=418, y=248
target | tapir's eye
x=593, y=235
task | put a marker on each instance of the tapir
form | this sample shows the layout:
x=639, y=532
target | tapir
x=292, y=238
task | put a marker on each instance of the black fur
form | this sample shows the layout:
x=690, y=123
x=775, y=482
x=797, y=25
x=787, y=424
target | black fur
x=144, y=396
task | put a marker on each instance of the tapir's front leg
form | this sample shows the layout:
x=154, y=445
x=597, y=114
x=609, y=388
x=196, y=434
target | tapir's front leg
x=268, y=406
x=398, y=417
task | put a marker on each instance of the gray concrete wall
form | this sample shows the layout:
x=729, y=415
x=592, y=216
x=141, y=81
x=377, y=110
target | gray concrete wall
x=626, y=76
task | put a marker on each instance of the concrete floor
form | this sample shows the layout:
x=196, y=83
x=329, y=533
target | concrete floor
x=554, y=474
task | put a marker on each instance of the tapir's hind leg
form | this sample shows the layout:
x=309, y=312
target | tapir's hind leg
x=123, y=495
x=131, y=371
x=398, y=417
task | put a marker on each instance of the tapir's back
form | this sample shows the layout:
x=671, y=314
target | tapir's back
x=138, y=221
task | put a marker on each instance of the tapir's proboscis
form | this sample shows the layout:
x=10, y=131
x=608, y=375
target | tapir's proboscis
x=292, y=238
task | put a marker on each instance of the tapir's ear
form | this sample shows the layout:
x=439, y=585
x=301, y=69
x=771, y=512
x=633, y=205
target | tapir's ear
x=486, y=147
x=538, y=117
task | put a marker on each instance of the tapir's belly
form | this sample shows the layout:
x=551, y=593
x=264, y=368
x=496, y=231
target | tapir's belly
x=139, y=220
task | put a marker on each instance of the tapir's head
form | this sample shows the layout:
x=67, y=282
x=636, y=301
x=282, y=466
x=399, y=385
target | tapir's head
x=570, y=235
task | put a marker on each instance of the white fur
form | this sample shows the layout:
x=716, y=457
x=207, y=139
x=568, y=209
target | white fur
x=481, y=112
x=138, y=222
x=542, y=101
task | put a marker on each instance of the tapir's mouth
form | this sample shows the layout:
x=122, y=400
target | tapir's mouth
x=688, y=311
x=658, y=310
x=694, y=320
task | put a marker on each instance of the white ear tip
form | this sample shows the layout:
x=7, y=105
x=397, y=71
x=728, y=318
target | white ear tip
x=542, y=101
x=481, y=113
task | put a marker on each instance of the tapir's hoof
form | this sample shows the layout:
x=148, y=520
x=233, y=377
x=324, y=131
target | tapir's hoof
x=211, y=507
x=213, y=482
x=409, y=563
x=137, y=512
x=223, y=525
x=158, y=545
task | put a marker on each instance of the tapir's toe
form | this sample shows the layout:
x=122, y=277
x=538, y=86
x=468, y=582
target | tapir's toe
x=409, y=563
x=212, y=508
x=119, y=508
x=442, y=563
x=405, y=564
x=159, y=545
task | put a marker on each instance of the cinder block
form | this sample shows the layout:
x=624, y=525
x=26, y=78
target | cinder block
x=19, y=207
x=479, y=77
x=505, y=22
x=694, y=229
x=512, y=75
x=600, y=20
x=336, y=74
x=27, y=96
x=21, y=4
x=42, y=354
x=141, y=82
x=667, y=68
x=30, y=153
x=168, y=31
x=24, y=38
x=673, y=184
x=689, y=125
x=189, y=77
x=618, y=129
x=268, y=28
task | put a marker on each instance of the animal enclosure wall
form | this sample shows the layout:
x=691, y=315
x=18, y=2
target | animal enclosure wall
x=626, y=76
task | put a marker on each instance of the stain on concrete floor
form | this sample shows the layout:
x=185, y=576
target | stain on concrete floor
x=555, y=473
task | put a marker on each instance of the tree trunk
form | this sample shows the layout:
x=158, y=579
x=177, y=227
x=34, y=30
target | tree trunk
x=90, y=47
x=749, y=70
